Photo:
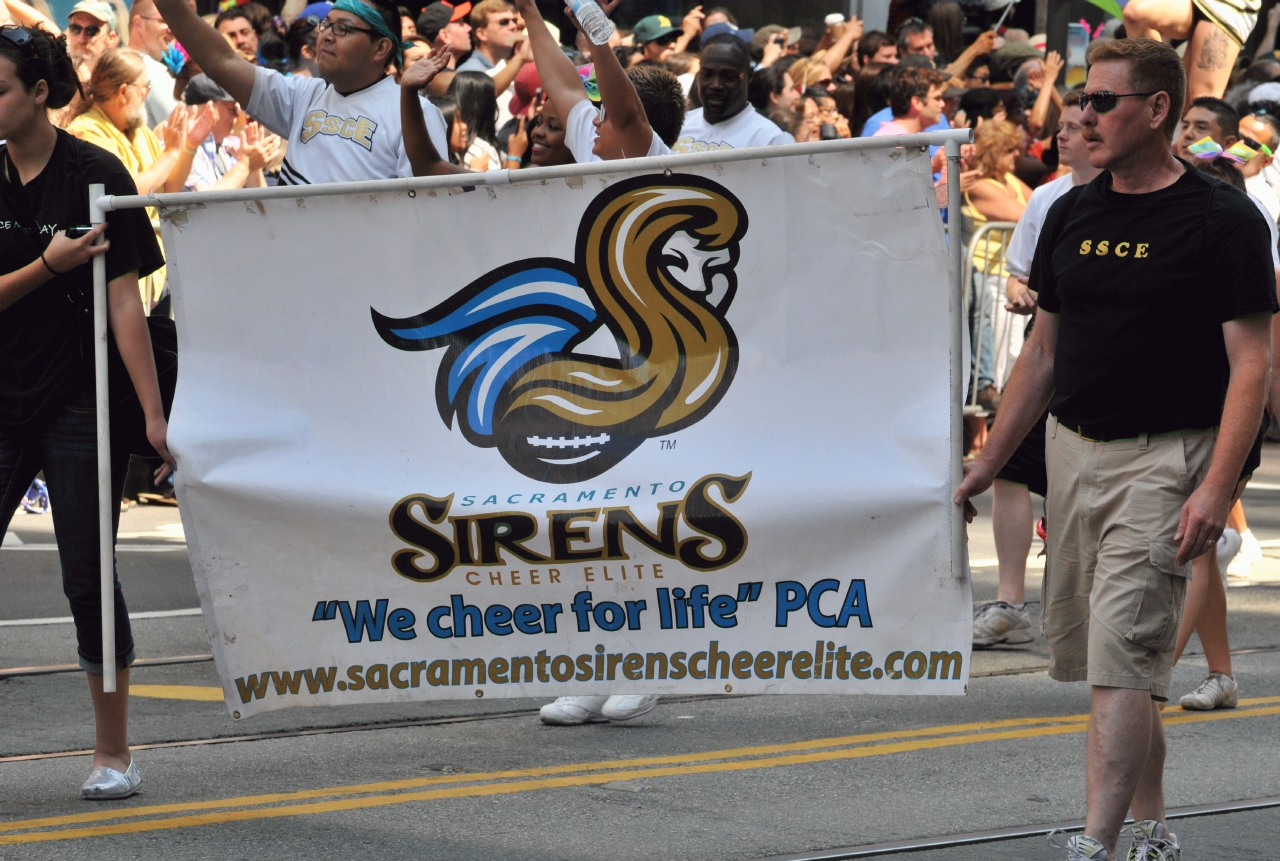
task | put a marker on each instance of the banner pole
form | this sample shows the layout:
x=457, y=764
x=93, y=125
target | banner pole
x=106, y=550
x=955, y=248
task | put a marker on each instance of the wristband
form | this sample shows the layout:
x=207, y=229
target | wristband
x=190, y=150
x=47, y=266
x=515, y=158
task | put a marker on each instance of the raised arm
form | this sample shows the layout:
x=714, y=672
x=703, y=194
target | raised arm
x=423, y=157
x=836, y=54
x=28, y=16
x=622, y=104
x=210, y=49
x=984, y=44
x=507, y=76
x=1039, y=116
x=560, y=78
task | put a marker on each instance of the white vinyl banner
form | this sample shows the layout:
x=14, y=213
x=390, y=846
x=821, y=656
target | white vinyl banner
x=673, y=432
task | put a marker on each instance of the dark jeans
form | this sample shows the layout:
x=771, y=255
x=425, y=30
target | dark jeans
x=65, y=445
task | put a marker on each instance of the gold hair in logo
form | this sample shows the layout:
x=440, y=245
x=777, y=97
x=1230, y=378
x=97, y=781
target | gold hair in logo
x=565, y=367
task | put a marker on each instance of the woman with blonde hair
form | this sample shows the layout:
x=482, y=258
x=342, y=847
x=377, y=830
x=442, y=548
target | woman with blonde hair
x=809, y=73
x=997, y=195
x=115, y=118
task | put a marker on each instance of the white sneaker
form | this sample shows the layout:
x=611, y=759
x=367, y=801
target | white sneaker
x=996, y=622
x=571, y=711
x=1217, y=691
x=1079, y=847
x=1228, y=546
x=1250, y=552
x=1152, y=842
x=628, y=707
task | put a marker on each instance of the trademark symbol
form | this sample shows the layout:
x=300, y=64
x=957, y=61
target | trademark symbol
x=667, y=444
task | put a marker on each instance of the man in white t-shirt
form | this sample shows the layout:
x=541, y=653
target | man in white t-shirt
x=500, y=50
x=1006, y=620
x=726, y=119
x=342, y=127
x=1264, y=131
x=641, y=111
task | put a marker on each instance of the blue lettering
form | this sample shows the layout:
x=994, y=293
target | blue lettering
x=855, y=604
x=497, y=618
x=366, y=620
x=526, y=619
x=461, y=613
x=815, y=595
x=722, y=609
x=791, y=596
x=400, y=624
x=434, y=626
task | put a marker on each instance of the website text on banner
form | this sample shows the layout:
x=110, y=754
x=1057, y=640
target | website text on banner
x=669, y=432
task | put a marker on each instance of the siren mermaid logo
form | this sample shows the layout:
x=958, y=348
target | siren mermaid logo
x=567, y=367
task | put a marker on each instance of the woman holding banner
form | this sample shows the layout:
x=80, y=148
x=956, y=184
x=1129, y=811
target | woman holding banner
x=48, y=416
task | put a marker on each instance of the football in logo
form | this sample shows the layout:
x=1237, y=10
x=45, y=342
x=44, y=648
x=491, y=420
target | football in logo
x=567, y=367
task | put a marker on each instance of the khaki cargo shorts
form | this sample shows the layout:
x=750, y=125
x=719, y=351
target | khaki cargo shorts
x=1111, y=600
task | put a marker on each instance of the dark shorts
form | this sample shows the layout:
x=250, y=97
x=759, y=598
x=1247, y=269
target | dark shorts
x=1027, y=464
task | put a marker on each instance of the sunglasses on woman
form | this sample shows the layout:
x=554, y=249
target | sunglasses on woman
x=1105, y=100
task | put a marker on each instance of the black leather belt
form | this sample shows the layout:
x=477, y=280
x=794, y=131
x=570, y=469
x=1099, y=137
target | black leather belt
x=1090, y=435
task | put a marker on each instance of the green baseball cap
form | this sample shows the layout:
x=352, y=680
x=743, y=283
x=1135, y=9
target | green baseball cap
x=653, y=27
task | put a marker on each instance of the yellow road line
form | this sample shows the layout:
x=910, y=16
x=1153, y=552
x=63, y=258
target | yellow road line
x=489, y=789
x=204, y=693
x=544, y=771
x=540, y=771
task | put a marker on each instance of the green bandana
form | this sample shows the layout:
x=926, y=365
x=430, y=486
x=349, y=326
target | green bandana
x=374, y=18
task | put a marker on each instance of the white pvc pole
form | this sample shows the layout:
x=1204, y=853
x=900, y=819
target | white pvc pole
x=955, y=248
x=106, y=549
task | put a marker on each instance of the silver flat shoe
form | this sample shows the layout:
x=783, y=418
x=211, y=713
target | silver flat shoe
x=107, y=784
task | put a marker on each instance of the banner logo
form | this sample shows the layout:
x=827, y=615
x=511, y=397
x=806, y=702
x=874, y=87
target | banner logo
x=567, y=367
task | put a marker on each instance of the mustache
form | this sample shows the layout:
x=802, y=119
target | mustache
x=1090, y=134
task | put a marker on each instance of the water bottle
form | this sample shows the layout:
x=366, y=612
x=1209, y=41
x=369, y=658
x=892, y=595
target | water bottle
x=598, y=26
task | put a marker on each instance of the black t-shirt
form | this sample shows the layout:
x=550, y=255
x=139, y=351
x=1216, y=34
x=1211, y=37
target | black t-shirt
x=1142, y=284
x=46, y=337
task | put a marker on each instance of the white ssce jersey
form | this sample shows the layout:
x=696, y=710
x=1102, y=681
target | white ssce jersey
x=337, y=138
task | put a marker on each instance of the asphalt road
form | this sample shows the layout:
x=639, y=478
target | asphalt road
x=715, y=778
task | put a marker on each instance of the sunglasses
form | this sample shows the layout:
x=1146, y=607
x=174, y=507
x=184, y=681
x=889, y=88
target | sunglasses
x=1257, y=147
x=19, y=36
x=90, y=32
x=504, y=22
x=1104, y=100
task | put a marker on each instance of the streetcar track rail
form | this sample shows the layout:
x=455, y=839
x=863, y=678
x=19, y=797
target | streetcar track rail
x=998, y=835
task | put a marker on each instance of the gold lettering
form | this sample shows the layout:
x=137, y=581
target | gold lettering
x=475, y=574
x=311, y=125
x=331, y=125
x=1086, y=246
x=348, y=129
x=1103, y=248
x=364, y=133
x=1122, y=249
x=1140, y=251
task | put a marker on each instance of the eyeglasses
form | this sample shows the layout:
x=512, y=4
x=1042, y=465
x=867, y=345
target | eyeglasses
x=602, y=114
x=342, y=28
x=669, y=39
x=1104, y=100
x=1254, y=145
x=505, y=22
x=981, y=79
x=90, y=32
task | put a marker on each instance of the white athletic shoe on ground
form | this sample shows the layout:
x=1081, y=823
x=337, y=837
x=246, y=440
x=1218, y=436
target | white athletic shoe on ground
x=1250, y=553
x=1152, y=842
x=996, y=622
x=628, y=707
x=1079, y=847
x=571, y=711
x=1228, y=546
x=1217, y=691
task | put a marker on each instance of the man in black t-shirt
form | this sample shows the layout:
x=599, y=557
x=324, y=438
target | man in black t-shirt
x=1151, y=351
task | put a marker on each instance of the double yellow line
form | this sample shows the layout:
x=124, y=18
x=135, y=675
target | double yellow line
x=382, y=794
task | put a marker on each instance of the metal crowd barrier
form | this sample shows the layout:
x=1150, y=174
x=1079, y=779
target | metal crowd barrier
x=996, y=236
